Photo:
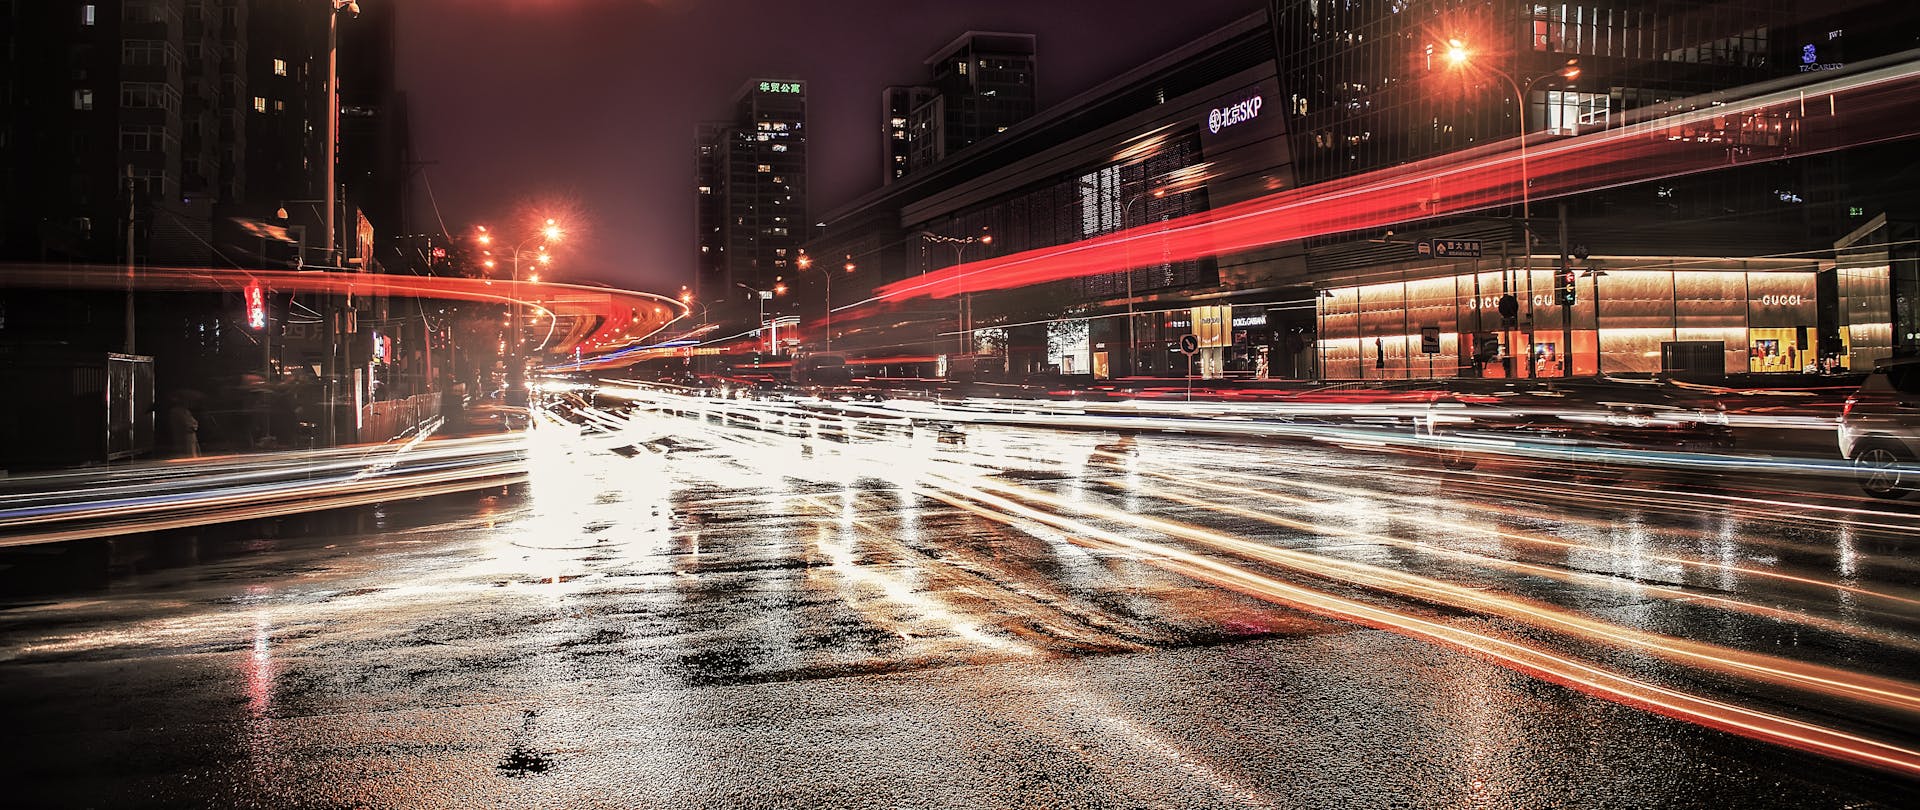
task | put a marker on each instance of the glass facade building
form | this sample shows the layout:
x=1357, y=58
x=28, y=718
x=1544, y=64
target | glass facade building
x=1135, y=150
x=1371, y=86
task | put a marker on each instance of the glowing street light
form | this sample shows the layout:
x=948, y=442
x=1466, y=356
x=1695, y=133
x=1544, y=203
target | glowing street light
x=549, y=232
x=1460, y=58
x=960, y=243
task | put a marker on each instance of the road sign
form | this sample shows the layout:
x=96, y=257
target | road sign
x=1189, y=344
x=1429, y=340
x=1423, y=247
x=1456, y=248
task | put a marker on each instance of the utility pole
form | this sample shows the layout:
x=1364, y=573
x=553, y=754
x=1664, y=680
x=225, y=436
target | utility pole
x=1566, y=304
x=128, y=345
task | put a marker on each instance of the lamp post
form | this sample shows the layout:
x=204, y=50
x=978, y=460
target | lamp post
x=805, y=263
x=686, y=297
x=1458, y=56
x=549, y=232
x=960, y=243
x=761, y=297
x=1133, y=344
x=333, y=109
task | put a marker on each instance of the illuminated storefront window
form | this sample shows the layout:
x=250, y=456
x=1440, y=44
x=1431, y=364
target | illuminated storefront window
x=1624, y=321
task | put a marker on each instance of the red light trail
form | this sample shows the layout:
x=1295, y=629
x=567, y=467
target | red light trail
x=603, y=318
x=1711, y=133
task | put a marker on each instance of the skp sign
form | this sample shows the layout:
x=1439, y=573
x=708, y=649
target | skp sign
x=1220, y=118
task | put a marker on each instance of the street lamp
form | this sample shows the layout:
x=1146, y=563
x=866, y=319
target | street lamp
x=1133, y=343
x=805, y=262
x=333, y=108
x=517, y=372
x=762, y=297
x=1459, y=57
x=960, y=243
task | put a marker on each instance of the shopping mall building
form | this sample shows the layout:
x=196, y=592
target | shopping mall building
x=1771, y=266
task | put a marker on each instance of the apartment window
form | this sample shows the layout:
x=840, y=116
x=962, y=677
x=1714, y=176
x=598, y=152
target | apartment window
x=279, y=67
x=88, y=14
x=279, y=106
x=83, y=99
x=143, y=11
x=763, y=168
x=143, y=138
x=259, y=104
x=149, y=96
x=144, y=53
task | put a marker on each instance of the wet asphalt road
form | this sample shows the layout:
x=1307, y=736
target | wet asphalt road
x=760, y=610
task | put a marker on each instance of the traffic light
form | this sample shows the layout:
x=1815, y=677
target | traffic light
x=1486, y=347
x=256, y=306
x=1564, y=288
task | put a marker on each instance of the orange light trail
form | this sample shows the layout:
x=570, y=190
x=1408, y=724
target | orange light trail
x=1541, y=664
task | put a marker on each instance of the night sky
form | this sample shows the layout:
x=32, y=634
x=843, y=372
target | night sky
x=587, y=108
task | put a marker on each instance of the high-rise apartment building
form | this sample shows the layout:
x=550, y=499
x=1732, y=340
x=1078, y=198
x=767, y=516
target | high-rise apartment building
x=752, y=188
x=897, y=103
x=211, y=111
x=981, y=83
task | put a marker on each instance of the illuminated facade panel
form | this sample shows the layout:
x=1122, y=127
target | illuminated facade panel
x=1624, y=321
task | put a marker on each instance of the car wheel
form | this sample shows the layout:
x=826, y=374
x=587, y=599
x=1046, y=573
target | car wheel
x=1877, y=468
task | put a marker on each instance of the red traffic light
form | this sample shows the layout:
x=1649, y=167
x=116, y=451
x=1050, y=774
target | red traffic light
x=256, y=306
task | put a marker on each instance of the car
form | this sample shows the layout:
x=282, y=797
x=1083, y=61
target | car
x=1563, y=427
x=1879, y=429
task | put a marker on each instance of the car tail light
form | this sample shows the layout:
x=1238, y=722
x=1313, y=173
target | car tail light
x=1848, y=408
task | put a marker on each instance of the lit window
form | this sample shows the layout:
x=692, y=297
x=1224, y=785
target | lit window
x=259, y=104
x=706, y=189
x=763, y=168
x=279, y=67
x=87, y=14
x=83, y=99
x=279, y=106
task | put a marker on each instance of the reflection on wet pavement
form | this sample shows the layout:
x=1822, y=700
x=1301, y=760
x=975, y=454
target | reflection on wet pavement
x=740, y=606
